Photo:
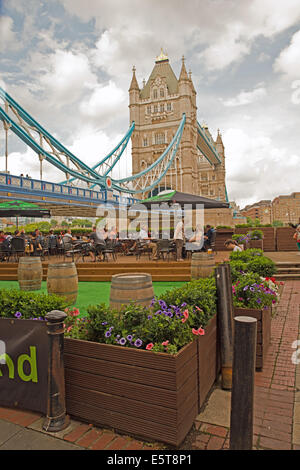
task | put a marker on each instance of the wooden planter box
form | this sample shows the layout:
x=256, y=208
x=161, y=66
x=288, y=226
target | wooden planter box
x=222, y=235
x=269, y=241
x=208, y=364
x=154, y=396
x=256, y=244
x=263, y=331
x=284, y=239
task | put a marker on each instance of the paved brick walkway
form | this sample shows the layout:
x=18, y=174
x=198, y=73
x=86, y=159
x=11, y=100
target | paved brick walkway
x=277, y=401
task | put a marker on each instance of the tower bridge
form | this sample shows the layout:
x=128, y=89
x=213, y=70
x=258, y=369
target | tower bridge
x=170, y=150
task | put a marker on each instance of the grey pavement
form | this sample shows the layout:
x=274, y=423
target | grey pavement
x=14, y=437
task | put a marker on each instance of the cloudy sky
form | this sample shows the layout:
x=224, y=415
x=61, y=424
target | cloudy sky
x=69, y=64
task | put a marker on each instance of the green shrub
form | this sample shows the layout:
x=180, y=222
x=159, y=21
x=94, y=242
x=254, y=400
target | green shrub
x=256, y=235
x=167, y=325
x=263, y=266
x=28, y=304
x=252, y=260
x=240, y=238
x=246, y=255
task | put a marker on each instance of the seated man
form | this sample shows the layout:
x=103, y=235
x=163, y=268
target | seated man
x=144, y=238
x=98, y=242
x=208, y=235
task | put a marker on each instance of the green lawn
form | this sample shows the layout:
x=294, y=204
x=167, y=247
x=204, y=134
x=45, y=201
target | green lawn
x=92, y=293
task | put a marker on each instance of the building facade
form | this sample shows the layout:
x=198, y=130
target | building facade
x=287, y=208
x=261, y=210
x=157, y=108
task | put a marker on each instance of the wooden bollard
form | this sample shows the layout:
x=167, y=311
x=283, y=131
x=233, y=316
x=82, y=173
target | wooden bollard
x=224, y=316
x=242, y=394
x=56, y=419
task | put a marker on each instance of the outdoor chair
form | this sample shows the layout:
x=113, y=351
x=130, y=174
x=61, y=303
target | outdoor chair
x=45, y=248
x=52, y=245
x=109, y=250
x=5, y=251
x=70, y=250
x=17, y=248
x=164, y=249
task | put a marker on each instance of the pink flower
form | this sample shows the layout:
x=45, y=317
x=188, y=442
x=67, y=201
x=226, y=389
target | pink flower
x=149, y=346
x=69, y=329
x=200, y=309
x=165, y=343
x=186, y=316
x=199, y=332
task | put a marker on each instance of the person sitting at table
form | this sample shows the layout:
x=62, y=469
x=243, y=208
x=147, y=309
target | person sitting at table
x=97, y=237
x=35, y=246
x=208, y=235
x=233, y=245
x=196, y=242
x=2, y=236
x=68, y=238
x=152, y=245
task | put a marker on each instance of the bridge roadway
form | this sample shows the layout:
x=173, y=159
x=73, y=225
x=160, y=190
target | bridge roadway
x=62, y=200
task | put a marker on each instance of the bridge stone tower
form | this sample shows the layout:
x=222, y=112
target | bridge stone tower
x=157, y=110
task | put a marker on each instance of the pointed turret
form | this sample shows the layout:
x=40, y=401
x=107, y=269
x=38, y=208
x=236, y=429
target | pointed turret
x=183, y=73
x=219, y=140
x=134, y=84
x=134, y=97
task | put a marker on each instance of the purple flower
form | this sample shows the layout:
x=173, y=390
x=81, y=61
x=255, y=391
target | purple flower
x=184, y=304
x=158, y=312
x=104, y=323
x=129, y=337
x=18, y=314
x=245, y=288
x=258, y=301
x=122, y=341
x=152, y=302
x=252, y=289
x=107, y=334
x=138, y=343
x=149, y=317
x=163, y=304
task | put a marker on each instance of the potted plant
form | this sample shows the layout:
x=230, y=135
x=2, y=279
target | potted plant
x=255, y=239
x=253, y=296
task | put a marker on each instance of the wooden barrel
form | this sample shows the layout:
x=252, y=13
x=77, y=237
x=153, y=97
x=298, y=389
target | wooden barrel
x=30, y=273
x=129, y=287
x=62, y=280
x=202, y=265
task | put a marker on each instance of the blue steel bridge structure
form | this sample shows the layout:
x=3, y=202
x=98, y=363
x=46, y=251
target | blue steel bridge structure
x=82, y=184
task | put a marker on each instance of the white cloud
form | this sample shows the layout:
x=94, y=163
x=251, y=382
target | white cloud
x=246, y=97
x=104, y=103
x=67, y=76
x=7, y=35
x=289, y=59
x=257, y=169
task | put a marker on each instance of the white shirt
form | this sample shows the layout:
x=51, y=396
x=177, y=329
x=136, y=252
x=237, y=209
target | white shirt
x=237, y=248
x=178, y=235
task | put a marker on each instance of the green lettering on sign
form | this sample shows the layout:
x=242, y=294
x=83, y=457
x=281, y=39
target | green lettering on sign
x=8, y=361
x=32, y=361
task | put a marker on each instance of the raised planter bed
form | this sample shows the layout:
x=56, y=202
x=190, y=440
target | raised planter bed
x=263, y=331
x=151, y=395
x=269, y=241
x=256, y=244
x=221, y=237
x=284, y=239
x=208, y=363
